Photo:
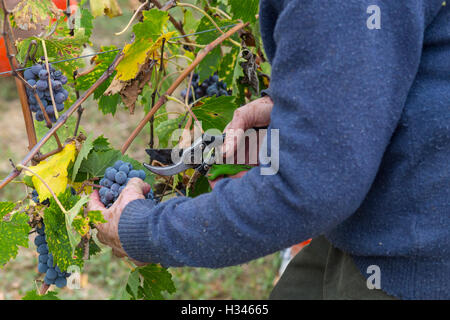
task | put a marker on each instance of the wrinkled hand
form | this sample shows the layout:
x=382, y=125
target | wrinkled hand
x=108, y=233
x=254, y=114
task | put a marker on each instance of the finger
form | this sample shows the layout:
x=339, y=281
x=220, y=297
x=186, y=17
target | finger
x=138, y=186
x=95, y=204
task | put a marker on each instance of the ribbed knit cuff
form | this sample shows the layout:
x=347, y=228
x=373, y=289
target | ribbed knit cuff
x=135, y=231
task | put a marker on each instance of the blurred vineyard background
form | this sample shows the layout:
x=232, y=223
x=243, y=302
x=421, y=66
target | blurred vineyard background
x=105, y=274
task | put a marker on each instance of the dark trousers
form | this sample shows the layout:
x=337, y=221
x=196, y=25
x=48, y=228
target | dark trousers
x=321, y=272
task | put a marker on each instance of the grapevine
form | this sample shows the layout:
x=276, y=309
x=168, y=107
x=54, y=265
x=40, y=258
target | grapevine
x=202, y=51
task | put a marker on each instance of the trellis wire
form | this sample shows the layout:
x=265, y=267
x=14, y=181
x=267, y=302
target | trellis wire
x=118, y=49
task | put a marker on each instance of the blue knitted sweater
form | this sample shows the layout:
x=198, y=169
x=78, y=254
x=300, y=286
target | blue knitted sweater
x=364, y=119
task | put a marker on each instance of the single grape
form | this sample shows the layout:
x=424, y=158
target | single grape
x=60, y=107
x=31, y=82
x=121, y=177
x=103, y=191
x=40, y=94
x=36, y=69
x=47, y=94
x=42, y=249
x=41, y=85
x=40, y=239
x=110, y=173
x=133, y=174
x=57, y=74
x=39, y=116
x=42, y=268
x=56, y=85
x=142, y=174
x=105, y=182
x=109, y=195
x=50, y=111
x=28, y=74
x=124, y=168
x=43, y=258
x=51, y=273
x=103, y=200
x=43, y=74
x=118, y=164
x=34, y=108
x=60, y=97
x=61, y=282
x=49, y=281
x=65, y=92
x=63, y=79
x=115, y=187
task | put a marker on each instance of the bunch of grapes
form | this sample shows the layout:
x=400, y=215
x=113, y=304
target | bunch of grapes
x=37, y=77
x=208, y=88
x=116, y=179
x=53, y=275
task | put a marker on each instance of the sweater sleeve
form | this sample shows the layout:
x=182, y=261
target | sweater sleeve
x=338, y=89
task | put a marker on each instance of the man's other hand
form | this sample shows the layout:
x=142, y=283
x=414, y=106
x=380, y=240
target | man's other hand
x=108, y=233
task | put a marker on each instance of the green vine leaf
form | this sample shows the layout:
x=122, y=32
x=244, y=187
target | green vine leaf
x=149, y=282
x=215, y=112
x=165, y=129
x=83, y=154
x=13, y=232
x=101, y=144
x=33, y=295
x=109, y=8
x=58, y=240
x=28, y=15
x=245, y=10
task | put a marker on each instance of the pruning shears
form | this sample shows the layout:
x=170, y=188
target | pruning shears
x=200, y=156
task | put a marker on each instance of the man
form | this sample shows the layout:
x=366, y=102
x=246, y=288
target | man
x=362, y=105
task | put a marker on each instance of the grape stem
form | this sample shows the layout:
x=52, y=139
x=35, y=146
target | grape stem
x=202, y=54
x=22, y=167
x=49, y=79
x=132, y=18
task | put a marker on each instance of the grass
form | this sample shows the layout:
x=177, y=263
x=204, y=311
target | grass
x=104, y=274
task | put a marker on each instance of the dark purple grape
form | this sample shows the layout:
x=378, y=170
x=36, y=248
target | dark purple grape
x=142, y=174
x=49, y=281
x=28, y=74
x=106, y=183
x=36, y=69
x=40, y=229
x=40, y=239
x=124, y=168
x=43, y=258
x=60, y=97
x=42, y=267
x=39, y=116
x=60, y=107
x=31, y=82
x=115, y=187
x=42, y=249
x=41, y=85
x=43, y=74
x=110, y=173
x=57, y=74
x=61, y=282
x=103, y=191
x=63, y=79
x=109, y=196
x=34, y=108
x=133, y=174
x=121, y=177
x=56, y=85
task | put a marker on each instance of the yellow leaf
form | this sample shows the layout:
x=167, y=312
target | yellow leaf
x=54, y=172
x=137, y=53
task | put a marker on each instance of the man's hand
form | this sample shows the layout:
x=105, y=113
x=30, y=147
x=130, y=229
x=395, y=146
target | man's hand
x=108, y=233
x=253, y=114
